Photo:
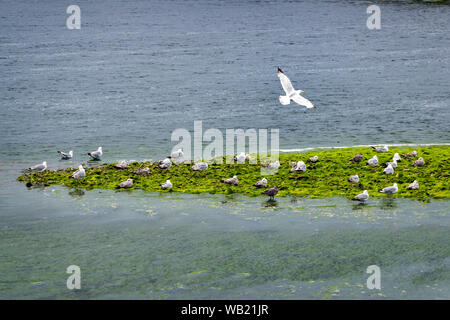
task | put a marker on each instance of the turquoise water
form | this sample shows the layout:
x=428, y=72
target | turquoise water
x=137, y=70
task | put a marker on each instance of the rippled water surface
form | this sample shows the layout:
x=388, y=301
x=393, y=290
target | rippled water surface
x=137, y=70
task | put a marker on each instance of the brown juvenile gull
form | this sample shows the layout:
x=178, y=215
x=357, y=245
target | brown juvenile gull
x=419, y=162
x=96, y=154
x=142, y=171
x=66, y=156
x=414, y=185
x=271, y=192
x=125, y=184
x=39, y=167
x=410, y=154
x=121, y=165
x=166, y=185
x=313, y=159
x=354, y=179
x=200, y=166
x=231, y=181
x=357, y=158
x=299, y=166
x=362, y=196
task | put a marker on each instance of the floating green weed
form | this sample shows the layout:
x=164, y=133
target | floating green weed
x=326, y=178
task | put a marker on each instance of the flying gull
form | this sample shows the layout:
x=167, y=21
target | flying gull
x=389, y=169
x=39, y=167
x=362, y=196
x=79, y=174
x=291, y=93
x=419, y=162
x=96, y=154
x=166, y=185
x=66, y=156
x=357, y=158
x=390, y=190
x=354, y=179
x=231, y=181
x=125, y=184
x=261, y=183
x=381, y=149
x=373, y=162
x=414, y=185
x=271, y=192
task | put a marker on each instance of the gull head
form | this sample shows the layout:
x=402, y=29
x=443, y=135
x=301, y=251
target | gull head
x=99, y=149
x=366, y=192
x=71, y=153
x=279, y=70
x=44, y=163
x=80, y=167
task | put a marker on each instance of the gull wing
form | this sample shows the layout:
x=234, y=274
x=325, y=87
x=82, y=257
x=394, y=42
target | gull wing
x=286, y=83
x=302, y=101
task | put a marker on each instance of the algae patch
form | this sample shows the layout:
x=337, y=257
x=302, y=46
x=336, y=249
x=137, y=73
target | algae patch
x=325, y=178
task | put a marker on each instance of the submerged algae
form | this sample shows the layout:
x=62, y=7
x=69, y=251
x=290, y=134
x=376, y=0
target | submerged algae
x=325, y=178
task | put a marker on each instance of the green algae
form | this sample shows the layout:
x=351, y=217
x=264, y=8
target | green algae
x=326, y=178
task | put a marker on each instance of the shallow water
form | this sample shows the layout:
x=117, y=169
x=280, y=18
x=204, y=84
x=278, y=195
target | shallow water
x=137, y=70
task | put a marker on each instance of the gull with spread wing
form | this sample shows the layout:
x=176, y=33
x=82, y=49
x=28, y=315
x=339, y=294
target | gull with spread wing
x=291, y=93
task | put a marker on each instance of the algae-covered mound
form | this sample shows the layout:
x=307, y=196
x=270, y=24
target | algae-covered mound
x=325, y=178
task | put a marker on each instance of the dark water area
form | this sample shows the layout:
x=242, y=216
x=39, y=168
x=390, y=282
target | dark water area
x=137, y=70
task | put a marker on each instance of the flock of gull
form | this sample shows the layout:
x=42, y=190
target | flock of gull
x=300, y=166
x=373, y=162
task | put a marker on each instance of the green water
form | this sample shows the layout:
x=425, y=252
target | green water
x=137, y=245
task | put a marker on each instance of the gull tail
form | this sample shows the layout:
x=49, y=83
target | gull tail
x=285, y=100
